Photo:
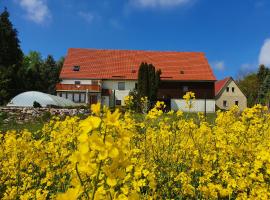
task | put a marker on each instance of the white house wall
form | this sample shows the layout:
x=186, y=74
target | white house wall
x=119, y=94
x=72, y=81
x=198, y=105
x=113, y=84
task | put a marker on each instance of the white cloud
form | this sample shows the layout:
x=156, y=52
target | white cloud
x=219, y=65
x=36, y=10
x=87, y=16
x=264, y=57
x=159, y=3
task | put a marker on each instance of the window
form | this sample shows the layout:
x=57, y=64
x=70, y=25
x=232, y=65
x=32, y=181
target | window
x=227, y=89
x=76, y=68
x=136, y=86
x=77, y=82
x=82, y=97
x=121, y=85
x=185, y=88
x=236, y=103
x=70, y=96
x=118, y=102
x=64, y=95
x=76, y=97
x=232, y=89
x=224, y=103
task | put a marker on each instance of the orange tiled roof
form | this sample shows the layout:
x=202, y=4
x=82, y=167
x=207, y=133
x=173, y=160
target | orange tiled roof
x=124, y=64
x=64, y=87
x=220, y=84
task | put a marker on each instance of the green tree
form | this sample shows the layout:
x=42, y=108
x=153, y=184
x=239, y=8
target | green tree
x=50, y=74
x=148, y=81
x=262, y=73
x=31, y=72
x=11, y=57
x=142, y=80
x=10, y=51
x=264, y=91
x=249, y=85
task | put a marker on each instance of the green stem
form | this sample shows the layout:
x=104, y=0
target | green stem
x=96, y=181
x=78, y=174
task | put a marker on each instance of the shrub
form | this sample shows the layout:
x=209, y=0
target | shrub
x=36, y=105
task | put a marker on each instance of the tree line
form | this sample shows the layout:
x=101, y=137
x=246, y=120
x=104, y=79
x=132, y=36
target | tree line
x=20, y=72
x=256, y=86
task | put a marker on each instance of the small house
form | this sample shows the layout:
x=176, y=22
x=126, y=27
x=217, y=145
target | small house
x=229, y=94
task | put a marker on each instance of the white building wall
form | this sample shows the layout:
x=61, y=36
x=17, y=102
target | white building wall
x=72, y=81
x=198, y=105
x=119, y=94
x=113, y=84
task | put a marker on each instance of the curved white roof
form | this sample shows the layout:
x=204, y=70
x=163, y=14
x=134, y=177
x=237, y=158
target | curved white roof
x=26, y=99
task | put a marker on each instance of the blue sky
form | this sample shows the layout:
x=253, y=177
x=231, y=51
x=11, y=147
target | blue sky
x=234, y=34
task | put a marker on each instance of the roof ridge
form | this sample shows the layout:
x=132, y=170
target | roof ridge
x=136, y=50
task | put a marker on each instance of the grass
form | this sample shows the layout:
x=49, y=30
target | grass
x=39, y=123
x=34, y=125
x=13, y=125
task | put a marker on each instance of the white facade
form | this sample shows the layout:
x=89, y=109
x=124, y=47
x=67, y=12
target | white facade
x=82, y=81
x=119, y=93
x=119, y=89
x=113, y=84
x=197, y=106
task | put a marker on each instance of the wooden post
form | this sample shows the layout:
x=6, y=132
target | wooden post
x=86, y=97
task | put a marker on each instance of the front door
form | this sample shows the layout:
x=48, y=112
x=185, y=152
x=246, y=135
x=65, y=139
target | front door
x=92, y=99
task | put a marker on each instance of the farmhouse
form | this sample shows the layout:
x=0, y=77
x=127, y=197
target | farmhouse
x=107, y=76
x=228, y=94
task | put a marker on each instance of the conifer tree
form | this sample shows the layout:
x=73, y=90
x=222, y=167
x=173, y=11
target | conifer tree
x=264, y=91
x=262, y=73
x=10, y=58
x=148, y=81
x=50, y=74
x=142, y=80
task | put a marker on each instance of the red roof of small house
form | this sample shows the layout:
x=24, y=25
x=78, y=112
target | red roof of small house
x=219, y=85
x=124, y=64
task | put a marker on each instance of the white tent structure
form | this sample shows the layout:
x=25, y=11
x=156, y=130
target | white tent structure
x=27, y=99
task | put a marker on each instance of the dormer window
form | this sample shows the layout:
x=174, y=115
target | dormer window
x=76, y=68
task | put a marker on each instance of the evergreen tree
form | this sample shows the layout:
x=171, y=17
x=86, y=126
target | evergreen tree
x=157, y=83
x=262, y=73
x=10, y=51
x=148, y=81
x=142, y=80
x=50, y=75
x=10, y=58
x=264, y=91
